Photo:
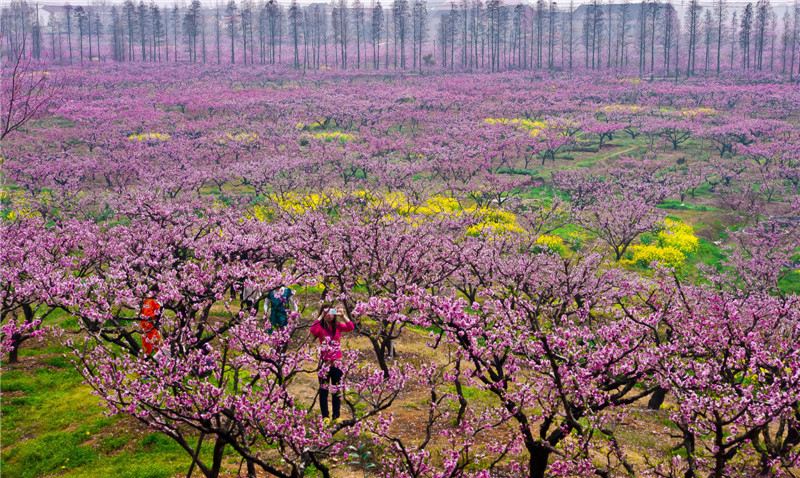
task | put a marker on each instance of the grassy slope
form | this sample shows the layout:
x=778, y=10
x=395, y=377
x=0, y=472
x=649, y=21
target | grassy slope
x=53, y=425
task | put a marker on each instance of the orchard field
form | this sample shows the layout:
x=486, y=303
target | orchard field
x=569, y=274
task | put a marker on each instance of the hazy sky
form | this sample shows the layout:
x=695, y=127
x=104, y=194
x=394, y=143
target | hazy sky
x=739, y=3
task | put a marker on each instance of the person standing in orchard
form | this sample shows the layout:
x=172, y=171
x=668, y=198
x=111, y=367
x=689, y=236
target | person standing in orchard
x=328, y=329
x=148, y=321
x=278, y=302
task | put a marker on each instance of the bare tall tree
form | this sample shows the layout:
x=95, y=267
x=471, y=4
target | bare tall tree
x=175, y=20
x=733, y=37
x=343, y=31
x=294, y=20
x=642, y=37
x=693, y=13
x=551, y=35
x=358, y=22
x=420, y=28
x=571, y=32
x=80, y=19
x=400, y=17
x=25, y=93
x=653, y=10
x=786, y=39
x=141, y=16
x=745, y=31
x=720, y=16
x=763, y=15
x=89, y=22
x=231, y=17
x=217, y=28
x=129, y=12
x=669, y=27
x=377, y=32
x=540, y=13
x=708, y=30
x=68, y=20
x=795, y=38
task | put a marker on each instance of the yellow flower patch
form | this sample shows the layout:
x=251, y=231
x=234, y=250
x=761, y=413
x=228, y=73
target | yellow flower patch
x=16, y=205
x=149, y=137
x=698, y=112
x=245, y=138
x=334, y=136
x=554, y=243
x=673, y=241
x=622, y=109
x=533, y=127
x=493, y=222
x=678, y=235
x=645, y=254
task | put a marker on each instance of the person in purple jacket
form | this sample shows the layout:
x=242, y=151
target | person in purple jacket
x=328, y=329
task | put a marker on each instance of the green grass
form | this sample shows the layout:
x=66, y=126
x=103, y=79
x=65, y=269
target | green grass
x=47, y=416
x=48, y=453
x=707, y=253
x=55, y=121
x=685, y=206
x=704, y=191
x=151, y=456
x=29, y=350
x=521, y=171
x=475, y=394
x=48, y=400
x=791, y=283
x=52, y=425
x=542, y=192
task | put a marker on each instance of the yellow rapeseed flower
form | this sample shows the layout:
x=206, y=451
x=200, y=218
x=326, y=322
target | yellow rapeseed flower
x=149, y=137
x=533, y=127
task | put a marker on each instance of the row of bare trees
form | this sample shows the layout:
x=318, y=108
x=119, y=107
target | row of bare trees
x=470, y=34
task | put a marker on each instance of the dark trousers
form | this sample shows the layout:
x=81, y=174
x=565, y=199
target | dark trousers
x=333, y=378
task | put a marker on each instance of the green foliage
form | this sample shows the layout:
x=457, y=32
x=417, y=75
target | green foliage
x=474, y=394
x=708, y=253
x=361, y=457
x=58, y=361
x=312, y=471
x=134, y=465
x=146, y=469
x=114, y=442
x=50, y=422
x=521, y=171
x=791, y=283
x=103, y=215
x=71, y=323
x=546, y=191
x=155, y=440
x=685, y=206
x=33, y=352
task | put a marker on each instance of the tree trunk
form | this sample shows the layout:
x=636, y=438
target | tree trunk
x=462, y=402
x=537, y=464
x=657, y=398
x=793, y=435
x=216, y=465
x=13, y=354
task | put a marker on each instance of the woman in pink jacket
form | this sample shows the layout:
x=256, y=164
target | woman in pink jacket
x=328, y=329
